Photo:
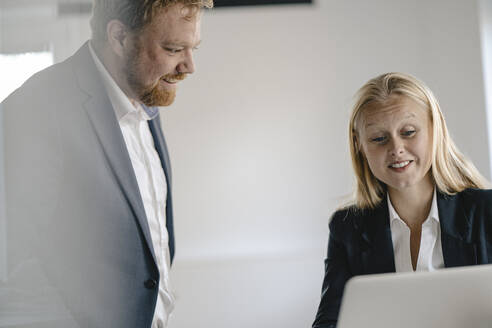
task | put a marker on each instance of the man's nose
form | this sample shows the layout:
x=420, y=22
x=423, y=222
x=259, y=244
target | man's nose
x=188, y=64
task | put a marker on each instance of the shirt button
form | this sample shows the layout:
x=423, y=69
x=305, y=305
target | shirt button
x=150, y=283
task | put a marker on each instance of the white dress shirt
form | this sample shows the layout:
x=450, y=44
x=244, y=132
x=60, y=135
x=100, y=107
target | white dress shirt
x=133, y=121
x=430, y=256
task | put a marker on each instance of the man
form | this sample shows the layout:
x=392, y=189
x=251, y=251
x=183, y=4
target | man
x=88, y=181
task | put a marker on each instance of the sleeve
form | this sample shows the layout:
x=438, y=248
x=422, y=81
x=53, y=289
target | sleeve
x=337, y=272
x=484, y=243
x=32, y=176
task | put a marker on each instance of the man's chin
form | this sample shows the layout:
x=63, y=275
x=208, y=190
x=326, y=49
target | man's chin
x=158, y=98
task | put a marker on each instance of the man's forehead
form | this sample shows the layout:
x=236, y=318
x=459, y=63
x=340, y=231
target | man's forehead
x=172, y=27
x=176, y=12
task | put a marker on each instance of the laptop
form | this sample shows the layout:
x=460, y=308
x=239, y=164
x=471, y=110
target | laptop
x=448, y=298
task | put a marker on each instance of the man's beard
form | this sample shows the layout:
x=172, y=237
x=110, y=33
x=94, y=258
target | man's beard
x=149, y=95
x=155, y=96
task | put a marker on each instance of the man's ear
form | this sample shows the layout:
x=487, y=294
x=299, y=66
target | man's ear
x=117, y=34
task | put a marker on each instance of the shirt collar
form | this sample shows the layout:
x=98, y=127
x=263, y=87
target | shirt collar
x=123, y=106
x=433, y=213
x=150, y=111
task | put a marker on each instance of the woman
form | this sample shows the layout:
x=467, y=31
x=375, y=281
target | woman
x=419, y=204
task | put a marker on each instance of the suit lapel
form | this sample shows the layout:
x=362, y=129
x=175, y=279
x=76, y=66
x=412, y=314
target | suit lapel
x=376, y=244
x=161, y=148
x=103, y=119
x=455, y=232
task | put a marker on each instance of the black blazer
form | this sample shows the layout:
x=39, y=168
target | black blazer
x=360, y=243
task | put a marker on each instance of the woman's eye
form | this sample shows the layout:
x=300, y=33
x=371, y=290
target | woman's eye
x=408, y=133
x=378, y=139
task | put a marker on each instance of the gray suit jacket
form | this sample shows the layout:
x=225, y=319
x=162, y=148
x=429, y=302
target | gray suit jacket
x=78, y=241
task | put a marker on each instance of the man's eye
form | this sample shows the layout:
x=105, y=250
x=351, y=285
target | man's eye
x=408, y=133
x=173, y=50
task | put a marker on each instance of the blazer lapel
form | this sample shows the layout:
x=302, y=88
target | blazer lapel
x=103, y=119
x=161, y=148
x=457, y=248
x=377, y=247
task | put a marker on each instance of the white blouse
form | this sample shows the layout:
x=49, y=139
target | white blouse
x=430, y=256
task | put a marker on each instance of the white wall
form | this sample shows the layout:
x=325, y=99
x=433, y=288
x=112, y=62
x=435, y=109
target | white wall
x=259, y=143
x=261, y=128
x=485, y=9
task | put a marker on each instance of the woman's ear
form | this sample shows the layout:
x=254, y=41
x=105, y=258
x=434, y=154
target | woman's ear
x=356, y=141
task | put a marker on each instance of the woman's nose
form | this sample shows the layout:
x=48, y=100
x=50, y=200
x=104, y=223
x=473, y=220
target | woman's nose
x=396, y=147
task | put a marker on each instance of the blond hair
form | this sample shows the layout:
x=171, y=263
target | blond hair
x=134, y=14
x=451, y=171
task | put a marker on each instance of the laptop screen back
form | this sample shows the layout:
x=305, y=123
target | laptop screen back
x=450, y=298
